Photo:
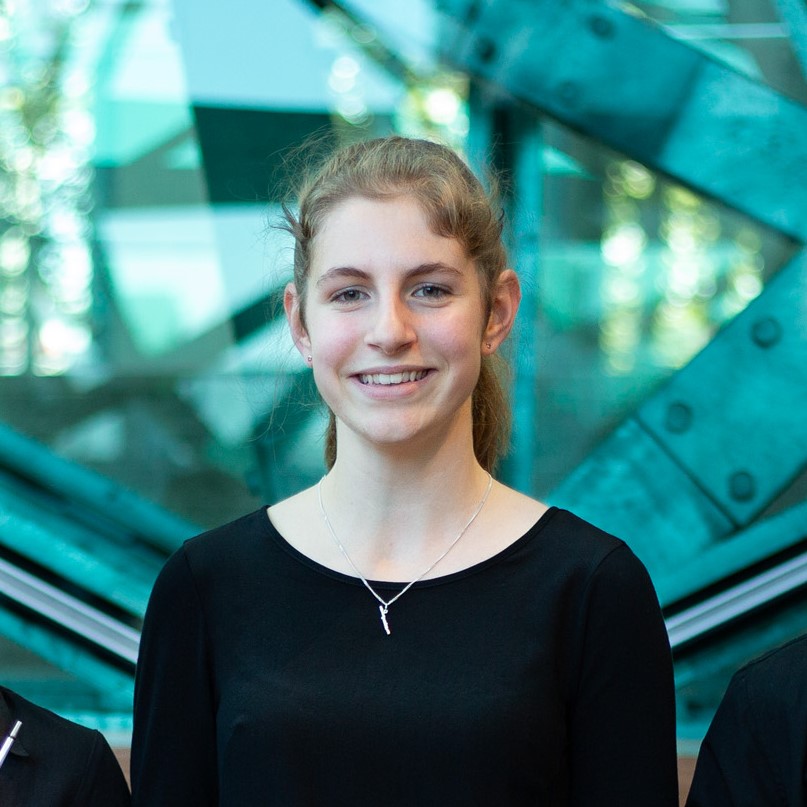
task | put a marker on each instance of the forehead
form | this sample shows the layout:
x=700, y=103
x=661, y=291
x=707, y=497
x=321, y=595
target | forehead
x=397, y=229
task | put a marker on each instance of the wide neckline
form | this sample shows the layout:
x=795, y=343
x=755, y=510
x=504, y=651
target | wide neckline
x=475, y=568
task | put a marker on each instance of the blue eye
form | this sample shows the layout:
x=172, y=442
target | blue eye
x=347, y=296
x=431, y=292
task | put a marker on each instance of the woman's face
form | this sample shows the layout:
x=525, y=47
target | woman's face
x=394, y=322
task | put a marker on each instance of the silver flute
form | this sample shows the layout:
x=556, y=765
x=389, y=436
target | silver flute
x=9, y=741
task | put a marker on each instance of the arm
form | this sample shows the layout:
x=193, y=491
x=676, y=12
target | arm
x=102, y=783
x=622, y=713
x=733, y=766
x=174, y=737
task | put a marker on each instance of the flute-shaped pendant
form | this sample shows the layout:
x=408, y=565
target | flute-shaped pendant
x=9, y=741
x=383, y=609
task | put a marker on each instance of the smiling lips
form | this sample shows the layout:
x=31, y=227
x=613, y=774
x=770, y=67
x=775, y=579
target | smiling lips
x=388, y=379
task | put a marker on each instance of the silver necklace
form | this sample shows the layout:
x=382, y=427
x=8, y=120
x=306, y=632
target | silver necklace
x=384, y=605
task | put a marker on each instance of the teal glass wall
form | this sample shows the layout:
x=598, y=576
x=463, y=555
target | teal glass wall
x=145, y=148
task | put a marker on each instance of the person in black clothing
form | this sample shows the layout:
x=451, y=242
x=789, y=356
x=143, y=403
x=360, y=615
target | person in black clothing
x=755, y=751
x=54, y=762
x=409, y=631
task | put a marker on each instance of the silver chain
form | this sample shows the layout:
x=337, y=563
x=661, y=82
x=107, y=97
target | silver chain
x=385, y=604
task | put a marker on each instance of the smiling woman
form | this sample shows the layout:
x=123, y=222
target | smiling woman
x=388, y=299
x=454, y=206
x=408, y=631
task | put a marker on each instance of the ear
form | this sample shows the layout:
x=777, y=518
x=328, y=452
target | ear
x=506, y=299
x=292, y=307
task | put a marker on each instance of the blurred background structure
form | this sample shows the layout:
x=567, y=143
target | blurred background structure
x=654, y=157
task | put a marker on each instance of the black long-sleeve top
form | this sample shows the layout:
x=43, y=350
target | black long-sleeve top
x=755, y=752
x=541, y=676
x=55, y=762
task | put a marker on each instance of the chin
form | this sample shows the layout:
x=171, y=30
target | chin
x=400, y=435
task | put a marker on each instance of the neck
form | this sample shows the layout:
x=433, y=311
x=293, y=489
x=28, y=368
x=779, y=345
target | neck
x=390, y=516
x=413, y=461
x=394, y=475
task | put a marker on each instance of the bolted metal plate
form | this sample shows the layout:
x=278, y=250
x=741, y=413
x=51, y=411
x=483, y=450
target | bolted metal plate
x=631, y=487
x=623, y=80
x=746, y=548
x=735, y=418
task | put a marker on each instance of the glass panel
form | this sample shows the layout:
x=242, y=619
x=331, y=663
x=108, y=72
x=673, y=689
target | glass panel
x=757, y=37
x=139, y=271
x=141, y=170
x=635, y=276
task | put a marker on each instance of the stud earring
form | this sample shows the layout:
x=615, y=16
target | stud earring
x=309, y=358
x=487, y=345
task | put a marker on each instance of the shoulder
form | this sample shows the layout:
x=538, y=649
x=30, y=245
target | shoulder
x=599, y=575
x=44, y=726
x=220, y=547
x=755, y=747
x=245, y=532
x=582, y=569
x=765, y=703
x=782, y=663
x=558, y=536
x=219, y=558
x=584, y=545
x=86, y=763
x=777, y=680
x=577, y=532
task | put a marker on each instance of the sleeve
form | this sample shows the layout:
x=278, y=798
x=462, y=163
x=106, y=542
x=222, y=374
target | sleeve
x=622, y=722
x=733, y=765
x=174, y=734
x=103, y=783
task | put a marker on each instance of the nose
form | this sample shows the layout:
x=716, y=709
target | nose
x=392, y=328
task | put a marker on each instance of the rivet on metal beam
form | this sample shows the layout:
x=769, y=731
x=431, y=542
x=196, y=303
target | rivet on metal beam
x=742, y=487
x=568, y=92
x=679, y=418
x=485, y=50
x=766, y=332
x=601, y=26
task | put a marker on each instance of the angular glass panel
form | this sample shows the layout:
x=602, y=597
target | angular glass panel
x=142, y=168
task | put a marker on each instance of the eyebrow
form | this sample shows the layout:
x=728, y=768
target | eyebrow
x=344, y=272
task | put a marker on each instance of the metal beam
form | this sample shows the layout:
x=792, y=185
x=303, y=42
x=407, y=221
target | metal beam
x=794, y=14
x=92, y=625
x=705, y=454
x=111, y=503
x=109, y=685
x=737, y=601
x=624, y=81
x=734, y=417
x=749, y=548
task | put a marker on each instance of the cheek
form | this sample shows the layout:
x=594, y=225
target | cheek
x=460, y=342
x=464, y=332
x=332, y=343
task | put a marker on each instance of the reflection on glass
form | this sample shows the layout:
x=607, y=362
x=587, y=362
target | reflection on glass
x=45, y=154
x=140, y=328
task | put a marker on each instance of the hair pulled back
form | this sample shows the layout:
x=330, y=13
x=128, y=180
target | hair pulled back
x=455, y=205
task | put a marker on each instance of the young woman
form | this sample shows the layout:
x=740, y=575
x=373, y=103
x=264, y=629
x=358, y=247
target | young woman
x=408, y=631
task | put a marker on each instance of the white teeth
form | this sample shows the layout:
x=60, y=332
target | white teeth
x=387, y=379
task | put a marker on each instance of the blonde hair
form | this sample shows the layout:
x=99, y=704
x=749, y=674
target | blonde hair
x=456, y=206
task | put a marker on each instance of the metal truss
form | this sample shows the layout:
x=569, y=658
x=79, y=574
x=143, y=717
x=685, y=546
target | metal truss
x=78, y=555
x=684, y=477
x=622, y=80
